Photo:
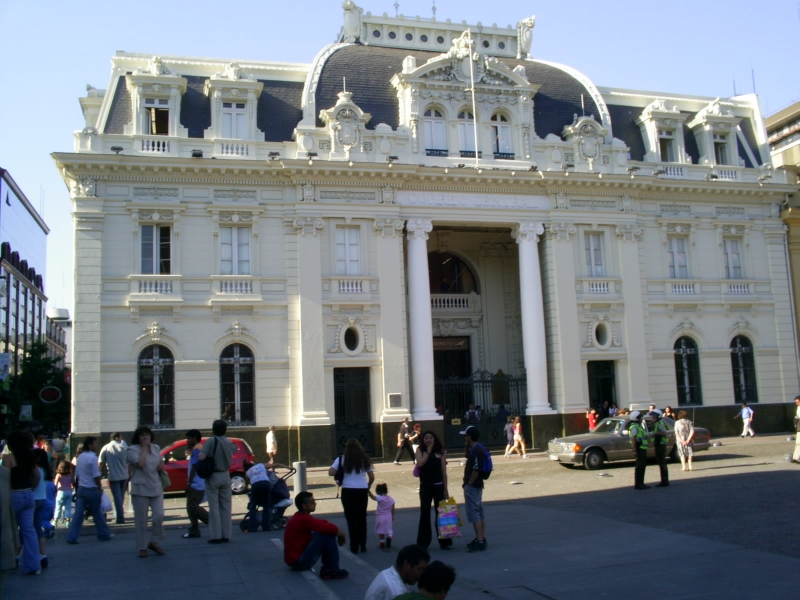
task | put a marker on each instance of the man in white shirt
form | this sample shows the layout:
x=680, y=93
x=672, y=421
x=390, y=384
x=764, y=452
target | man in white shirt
x=272, y=445
x=114, y=456
x=89, y=494
x=746, y=415
x=397, y=579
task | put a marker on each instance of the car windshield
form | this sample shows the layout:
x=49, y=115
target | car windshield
x=607, y=426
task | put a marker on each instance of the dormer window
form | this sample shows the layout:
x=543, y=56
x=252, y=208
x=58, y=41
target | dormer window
x=466, y=134
x=434, y=132
x=721, y=149
x=666, y=144
x=156, y=116
x=234, y=120
x=501, y=138
x=661, y=125
x=715, y=130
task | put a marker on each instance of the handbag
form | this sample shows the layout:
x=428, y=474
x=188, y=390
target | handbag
x=449, y=520
x=338, y=477
x=205, y=467
x=416, y=471
x=105, y=503
x=165, y=480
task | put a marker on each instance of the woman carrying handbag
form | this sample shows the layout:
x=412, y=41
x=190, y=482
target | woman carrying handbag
x=432, y=465
x=147, y=490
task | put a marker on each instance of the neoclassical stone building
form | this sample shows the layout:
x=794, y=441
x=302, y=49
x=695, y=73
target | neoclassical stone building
x=421, y=219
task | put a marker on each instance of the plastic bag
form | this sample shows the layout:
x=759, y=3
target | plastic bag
x=449, y=521
x=105, y=503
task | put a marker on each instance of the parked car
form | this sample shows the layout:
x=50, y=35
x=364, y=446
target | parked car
x=176, y=461
x=609, y=442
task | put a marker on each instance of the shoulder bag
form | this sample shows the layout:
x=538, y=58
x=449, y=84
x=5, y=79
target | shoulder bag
x=205, y=467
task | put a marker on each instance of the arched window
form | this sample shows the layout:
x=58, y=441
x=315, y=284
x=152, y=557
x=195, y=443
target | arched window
x=687, y=372
x=237, y=392
x=434, y=132
x=466, y=132
x=743, y=366
x=501, y=137
x=449, y=274
x=156, y=375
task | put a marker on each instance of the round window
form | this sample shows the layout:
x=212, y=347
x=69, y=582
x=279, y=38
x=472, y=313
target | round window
x=392, y=35
x=602, y=336
x=351, y=339
x=423, y=38
x=409, y=37
x=440, y=40
x=501, y=45
x=376, y=33
x=485, y=43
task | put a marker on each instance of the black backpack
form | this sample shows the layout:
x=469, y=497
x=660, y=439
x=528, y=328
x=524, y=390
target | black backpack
x=205, y=467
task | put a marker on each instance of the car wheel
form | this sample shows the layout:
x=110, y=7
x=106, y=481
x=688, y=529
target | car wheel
x=673, y=456
x=238, y=483
x=593, y=460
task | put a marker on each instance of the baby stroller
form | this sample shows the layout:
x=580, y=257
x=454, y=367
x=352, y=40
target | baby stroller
x=274, y=501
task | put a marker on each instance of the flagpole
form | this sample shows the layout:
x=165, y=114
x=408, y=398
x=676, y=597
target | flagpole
x=472, y=89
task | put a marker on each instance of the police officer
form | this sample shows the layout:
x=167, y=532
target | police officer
x=660, y=437
x=639, y=441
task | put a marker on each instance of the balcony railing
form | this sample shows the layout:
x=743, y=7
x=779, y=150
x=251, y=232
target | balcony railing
x=350, y=286
x=155, y=285
x=237, y=149
x=155, y=145
x=236, y=286
x=728, y=174
x=683, y=288
x=738, y=288
x=673, y=171
x=436, y=152
x=470, y=154
x=598, y=287
x=456, y=302
x=504, y=155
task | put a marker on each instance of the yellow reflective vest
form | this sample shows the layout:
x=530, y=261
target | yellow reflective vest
x=638, y=436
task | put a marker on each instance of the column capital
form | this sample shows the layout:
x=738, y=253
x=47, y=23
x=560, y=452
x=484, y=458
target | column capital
x=528, y=230
x=418, y=229
x=304, y=225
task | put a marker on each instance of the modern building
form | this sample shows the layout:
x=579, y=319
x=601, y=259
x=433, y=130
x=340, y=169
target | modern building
x=58, y=328
x=23, y=255
x=422, y=219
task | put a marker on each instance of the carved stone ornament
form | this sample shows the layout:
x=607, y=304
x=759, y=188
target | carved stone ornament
x=155, y=215
x=86, y=188
x=525, y=37
x=155, y=192
x=156, y=333
x=345, y=122
x=235, y=194
x=156, y=66
x=562, y=231
x=590, y=331
x=684, y=327
x=587, y=136
x=387, y=195
x=447, y=327
x=312, y=225
x=307, y=193
x=627, y=203
x=629, y=233
x=418, y=229
x=351, y=30
x=528, y=231
x=384, y=227
x=741, y=325
x=561, y=201
x=455, y=66
x=236, y=333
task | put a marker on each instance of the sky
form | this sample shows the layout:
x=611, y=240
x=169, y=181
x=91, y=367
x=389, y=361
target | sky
x=51, y=49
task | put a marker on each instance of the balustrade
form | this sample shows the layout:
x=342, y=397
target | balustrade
x=738, y=288
x=234, y=149
x=156, y=145
x=351, y=286
x=683, y=288
x=155, y=286
x=235, y=286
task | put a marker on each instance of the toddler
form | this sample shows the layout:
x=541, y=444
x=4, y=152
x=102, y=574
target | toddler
x=384, y=515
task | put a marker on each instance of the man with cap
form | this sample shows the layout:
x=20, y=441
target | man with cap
x=638, y=435
x=660, y=438
x=473, y=487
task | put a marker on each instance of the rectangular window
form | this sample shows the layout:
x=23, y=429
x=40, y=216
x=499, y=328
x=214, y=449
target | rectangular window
x=234, y=250
x=502, y=139
x=466, y=136
x=155, y=250
x=348, y=251
x=594, y=254
x=733, y=259
x=234, y=117
x=666, y=142
x=676, y=250
x=721, y=149
x=434, y=135
x=156, y=116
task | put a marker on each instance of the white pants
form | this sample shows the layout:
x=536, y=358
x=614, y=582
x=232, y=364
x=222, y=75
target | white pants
x=140, y=506
x=218, y=492
x=796, y=455
x=747, y=430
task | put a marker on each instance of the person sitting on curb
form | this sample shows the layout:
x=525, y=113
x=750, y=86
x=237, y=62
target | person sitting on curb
x=435, y=582
x=306, y=539
x=405, y=571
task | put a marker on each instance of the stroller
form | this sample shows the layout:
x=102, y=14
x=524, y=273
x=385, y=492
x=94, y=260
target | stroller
x=274, y=502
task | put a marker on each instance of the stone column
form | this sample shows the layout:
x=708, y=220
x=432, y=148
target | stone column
x=419, y=326
x=534, y=344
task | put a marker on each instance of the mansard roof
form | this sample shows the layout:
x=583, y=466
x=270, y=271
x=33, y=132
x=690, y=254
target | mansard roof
x=369, y=70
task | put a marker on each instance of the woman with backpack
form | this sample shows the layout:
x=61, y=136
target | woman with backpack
x=354, y=470
x=432, y=466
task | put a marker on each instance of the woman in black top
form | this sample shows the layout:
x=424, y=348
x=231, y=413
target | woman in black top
x=24, y=477
x=432, y=463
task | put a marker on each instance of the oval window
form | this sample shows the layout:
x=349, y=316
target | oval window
x=423, y=38
x=409, y=37
x=602, y=336
x=440, y=40
x=501, y=45
x=485, y=43
x=392, y=35
x=351, y=339
x=376, y=33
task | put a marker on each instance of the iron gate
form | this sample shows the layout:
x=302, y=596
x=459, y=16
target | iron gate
x=351, y=399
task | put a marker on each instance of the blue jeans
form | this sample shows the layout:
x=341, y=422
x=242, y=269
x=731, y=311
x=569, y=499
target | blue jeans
x=118, y=493
x=259, y=496
x=321, y=545
x=24, y=505
x=64, y=505
x=88, y=497
x=38, y=518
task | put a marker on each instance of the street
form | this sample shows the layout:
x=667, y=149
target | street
x=726, y=530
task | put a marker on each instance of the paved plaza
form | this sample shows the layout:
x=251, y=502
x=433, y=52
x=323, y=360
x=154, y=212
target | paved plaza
x=727, y=530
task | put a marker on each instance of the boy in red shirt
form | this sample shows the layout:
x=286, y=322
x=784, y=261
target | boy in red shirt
x=306, y=538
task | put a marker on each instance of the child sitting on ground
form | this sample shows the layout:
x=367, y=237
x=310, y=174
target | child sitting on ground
x=384, y=514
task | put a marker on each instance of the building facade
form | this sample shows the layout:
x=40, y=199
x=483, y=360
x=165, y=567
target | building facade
x=422, y=219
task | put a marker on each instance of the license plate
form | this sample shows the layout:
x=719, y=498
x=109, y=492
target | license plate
x=554, y=457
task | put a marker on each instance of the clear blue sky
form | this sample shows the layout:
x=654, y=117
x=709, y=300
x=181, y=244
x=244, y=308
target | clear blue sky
x=52, y=49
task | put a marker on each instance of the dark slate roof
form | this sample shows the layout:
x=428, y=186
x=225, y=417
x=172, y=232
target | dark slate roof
x=369, y=70
x=689, y=141
x=279, y=109
x=119, y=114
x=750, y=136
x=624, y=127
x=195, y=107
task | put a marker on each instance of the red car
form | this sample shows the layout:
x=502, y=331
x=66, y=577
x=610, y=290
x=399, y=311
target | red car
x=176, y=461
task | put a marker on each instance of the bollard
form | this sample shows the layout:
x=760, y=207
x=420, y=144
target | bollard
x=300, y=483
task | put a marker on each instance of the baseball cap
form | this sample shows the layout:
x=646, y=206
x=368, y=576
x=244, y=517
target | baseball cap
x=471, y=432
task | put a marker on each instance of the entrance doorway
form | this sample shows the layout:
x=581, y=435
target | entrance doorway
x=351, y=400
x=602, y=383
x=451, y=358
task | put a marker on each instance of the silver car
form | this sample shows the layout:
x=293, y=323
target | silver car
x=610, y=442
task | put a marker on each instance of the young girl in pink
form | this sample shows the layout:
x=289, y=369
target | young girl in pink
x=64, y=484
x=384, y=514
